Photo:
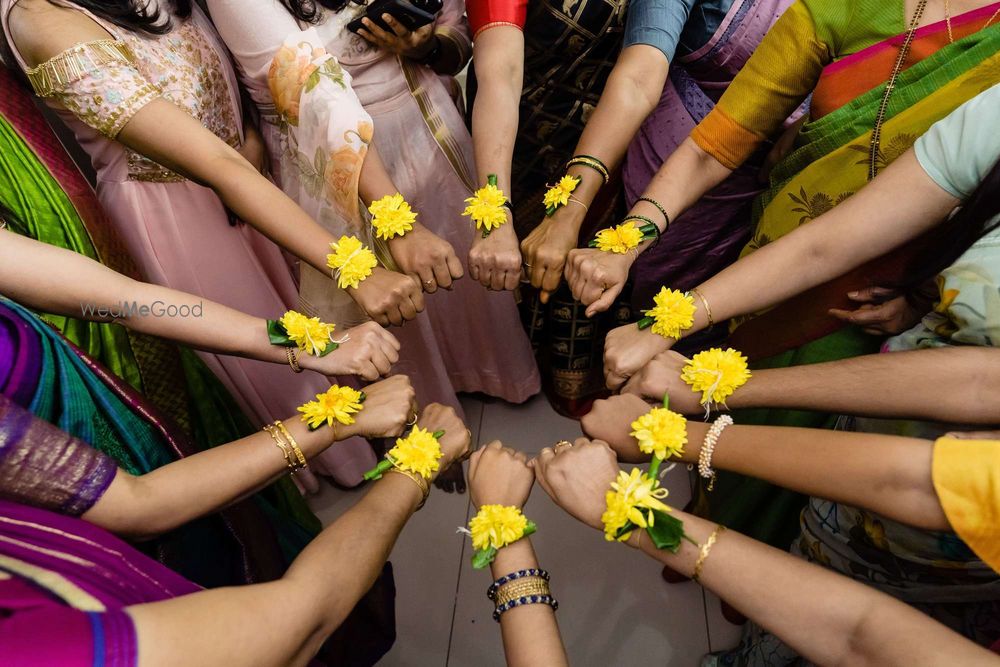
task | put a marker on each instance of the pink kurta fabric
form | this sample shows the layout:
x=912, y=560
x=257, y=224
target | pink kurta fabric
x=178, y=232
x=468, y=339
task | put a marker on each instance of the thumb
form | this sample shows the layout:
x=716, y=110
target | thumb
x=605, y=302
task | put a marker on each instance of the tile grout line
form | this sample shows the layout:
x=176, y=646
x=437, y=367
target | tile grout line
x=461, y=554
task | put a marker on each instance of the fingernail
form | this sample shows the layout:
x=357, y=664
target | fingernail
x=853, y=295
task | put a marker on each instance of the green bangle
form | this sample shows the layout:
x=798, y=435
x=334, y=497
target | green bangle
x=659, y=207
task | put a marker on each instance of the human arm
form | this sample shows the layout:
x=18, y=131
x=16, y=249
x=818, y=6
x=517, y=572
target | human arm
x=144, y=506
x=285, y=622
x=785, y=594
x=887, y=474
x=62, y=282
x=966, y=382
x=899, y=205
x=501, y=476
x=632, y=92
x=495, y=261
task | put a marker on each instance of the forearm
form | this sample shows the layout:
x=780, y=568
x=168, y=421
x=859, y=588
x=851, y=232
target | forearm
x=283, y=622
x=887, y=474
x=499, y=63
x=530, y=632
x=966, y=382
x=791, y=598
x=157, y=502
x=454, y=51
x=375, y=181
x=899, y=205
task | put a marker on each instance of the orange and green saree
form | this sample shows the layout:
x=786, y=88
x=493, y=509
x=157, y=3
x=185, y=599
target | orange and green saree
x=844, y=53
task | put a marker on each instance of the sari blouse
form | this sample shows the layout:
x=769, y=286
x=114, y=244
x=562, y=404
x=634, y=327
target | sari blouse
x=966, y=475
x=819, y=32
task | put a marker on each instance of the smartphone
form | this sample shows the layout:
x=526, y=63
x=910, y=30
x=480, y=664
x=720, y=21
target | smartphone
x=411, y=15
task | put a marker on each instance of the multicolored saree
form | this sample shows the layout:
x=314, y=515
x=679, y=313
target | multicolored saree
x=46, y=374
x=64, y=585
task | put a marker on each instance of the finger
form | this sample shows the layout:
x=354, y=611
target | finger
x=395, y=316
x=551, y=278
x=367, y=36
x=572, y=269
x=545, y=456
x=382, y=319
x=455, y=267
x=497, y=280
x=407, y=309
x=606, y=301
x=388, y=340
x=397, y=28
x=511, y=279
x=369, y=371
x=866, y=315
x=537, y=273
x=875, y=331
x=381, y=362
x=425, y=275
x=872, y=295
x=592, y=290
x=521, y=456
x=442, y=274
x=474, y=463
x=376, y=31
x=474, y=268
x=417, y=297
x=614, y=380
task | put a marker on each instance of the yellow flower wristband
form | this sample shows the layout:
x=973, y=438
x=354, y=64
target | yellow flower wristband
x=493, y=528
x=486, y=206
x=391, y=216
x=671, y=315
x=558, y=194
x=351, y=261
x=418, y=453
x=336, y=404
x=661, y=432
x=308, y=334
x=717, y=374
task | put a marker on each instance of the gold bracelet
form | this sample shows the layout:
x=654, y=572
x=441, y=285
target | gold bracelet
x=276, y=436
x=705, y=549
x=574, y=200
x=293, y=359
x=418, y=480
x=521, y=588
x=291, y=442
x=708, y=308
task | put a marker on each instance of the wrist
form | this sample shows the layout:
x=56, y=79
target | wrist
x=428, y=52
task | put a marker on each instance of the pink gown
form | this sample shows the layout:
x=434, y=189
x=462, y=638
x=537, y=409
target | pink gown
x=469, y=339
x=179, y=232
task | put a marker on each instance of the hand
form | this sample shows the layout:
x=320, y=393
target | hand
x=495, y=261
x=545, y=251
x=578, y=477
x=456, y=439
x=662, y=376
x=388, y=405
x=427, y=258
x=974, y=435
x=627, y=349
x=389, y=297
x=369, y=351
x=398, y=39
x=611, y=420
x=596, y=278
x=499, y=475
x=884, y=311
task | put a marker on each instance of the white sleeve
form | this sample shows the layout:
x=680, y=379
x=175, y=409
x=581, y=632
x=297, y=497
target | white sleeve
x=253, y=30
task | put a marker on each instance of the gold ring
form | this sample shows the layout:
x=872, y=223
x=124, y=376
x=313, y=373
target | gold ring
x=413, y=419
x=565, y=444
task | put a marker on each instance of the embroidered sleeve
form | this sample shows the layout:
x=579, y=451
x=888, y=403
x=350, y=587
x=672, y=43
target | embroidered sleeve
x=43, y=466
x=96, y=81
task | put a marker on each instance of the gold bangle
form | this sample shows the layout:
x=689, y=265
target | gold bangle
x=705, y=549
x=293, y=359
x=574, y=200
x=708, y=308
x=418, y=480
x=593, y=163
x=520, y=588
x=291, y=442
x=276, y=436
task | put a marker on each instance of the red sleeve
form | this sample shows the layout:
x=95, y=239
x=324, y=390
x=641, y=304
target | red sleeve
x=485, y=14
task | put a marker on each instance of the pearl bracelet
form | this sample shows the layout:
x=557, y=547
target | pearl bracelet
x=708, y=448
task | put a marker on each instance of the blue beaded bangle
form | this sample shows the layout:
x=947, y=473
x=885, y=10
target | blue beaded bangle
x=491, y=592
x=528, y=599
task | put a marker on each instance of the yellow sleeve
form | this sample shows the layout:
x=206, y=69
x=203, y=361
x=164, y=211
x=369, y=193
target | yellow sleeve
x=966, y=475
x=779, y=76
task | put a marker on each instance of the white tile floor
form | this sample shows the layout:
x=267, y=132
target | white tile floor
x=615, y=610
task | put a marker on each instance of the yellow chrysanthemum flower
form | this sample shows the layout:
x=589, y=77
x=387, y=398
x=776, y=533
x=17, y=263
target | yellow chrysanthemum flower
x=391, y=216
x=633, y=497
x=497, y=526
x=672, y=313
x=351, y=261
x=716, y=374
x=336, y=404
x=310, y=334
x=620, y=239
x=486, y=207
x=660, y=432
x=419, y=452
x=558, y=194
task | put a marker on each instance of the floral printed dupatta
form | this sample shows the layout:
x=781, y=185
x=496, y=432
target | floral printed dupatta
x=325, y=134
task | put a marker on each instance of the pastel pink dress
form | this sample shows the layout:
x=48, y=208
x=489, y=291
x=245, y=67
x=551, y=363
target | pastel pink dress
x=178, y=232
x=469, y=339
